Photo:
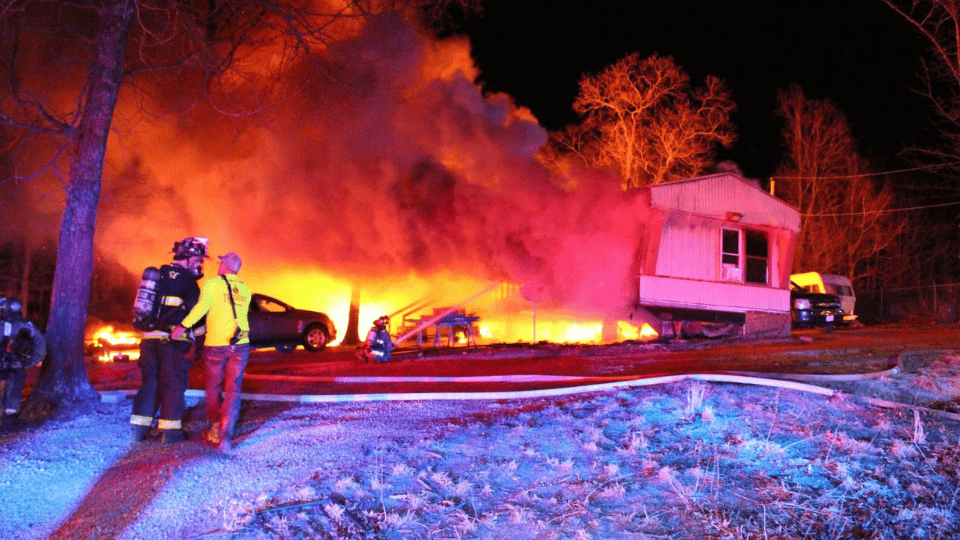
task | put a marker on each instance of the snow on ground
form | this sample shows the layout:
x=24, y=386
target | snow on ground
x=681, y=460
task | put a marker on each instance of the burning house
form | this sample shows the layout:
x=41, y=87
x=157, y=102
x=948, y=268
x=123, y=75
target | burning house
x=717, y=250
x=401, y=178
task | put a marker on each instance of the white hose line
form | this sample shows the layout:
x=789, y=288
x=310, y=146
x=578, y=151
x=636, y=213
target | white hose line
x=897, y=405
x=517, y=394
x=387, y=379
x=747, y=378
x=554, y=392
x=803, y=377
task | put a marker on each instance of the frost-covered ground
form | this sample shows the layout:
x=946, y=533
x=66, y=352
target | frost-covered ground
x=681, y=460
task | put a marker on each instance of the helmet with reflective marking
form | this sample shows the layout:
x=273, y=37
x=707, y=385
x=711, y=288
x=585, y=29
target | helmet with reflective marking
x=191, y=246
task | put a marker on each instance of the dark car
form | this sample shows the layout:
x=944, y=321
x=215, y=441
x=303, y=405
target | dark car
x=276, y=324
x=814, y=309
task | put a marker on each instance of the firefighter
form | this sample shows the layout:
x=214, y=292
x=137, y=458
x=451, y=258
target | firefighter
x=164, y=364
x=378, y=345
x=22, y=346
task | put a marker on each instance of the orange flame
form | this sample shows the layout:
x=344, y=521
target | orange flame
x=109, y=337
x=647, y=333
x=115, y=344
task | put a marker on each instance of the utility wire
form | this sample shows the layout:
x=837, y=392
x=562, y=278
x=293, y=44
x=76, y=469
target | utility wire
x=882, y=211
x=923, y=167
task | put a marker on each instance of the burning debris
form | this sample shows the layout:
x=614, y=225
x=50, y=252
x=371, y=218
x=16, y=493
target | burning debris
x=110, y=345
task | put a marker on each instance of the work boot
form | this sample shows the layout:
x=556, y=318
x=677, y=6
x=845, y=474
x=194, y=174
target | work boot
x=139, y=433
x=213, y=434
x=173, y=436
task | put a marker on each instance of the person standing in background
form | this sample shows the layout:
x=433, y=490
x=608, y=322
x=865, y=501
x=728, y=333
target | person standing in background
x=22, y=346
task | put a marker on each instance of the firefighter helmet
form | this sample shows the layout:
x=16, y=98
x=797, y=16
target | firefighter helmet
x=11, y=307
x=191, y=246
x=382, y=321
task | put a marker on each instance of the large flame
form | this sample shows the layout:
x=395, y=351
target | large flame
x=399, y=177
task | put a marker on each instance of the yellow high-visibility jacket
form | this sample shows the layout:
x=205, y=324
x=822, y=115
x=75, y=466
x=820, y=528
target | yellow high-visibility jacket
x=215, y=304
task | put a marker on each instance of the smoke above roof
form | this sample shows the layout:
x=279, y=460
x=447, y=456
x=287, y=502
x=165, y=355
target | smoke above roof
x=395, y=164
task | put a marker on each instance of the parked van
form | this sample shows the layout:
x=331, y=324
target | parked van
x=816, y=282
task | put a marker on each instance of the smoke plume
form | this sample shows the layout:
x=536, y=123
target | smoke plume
x=397, y=165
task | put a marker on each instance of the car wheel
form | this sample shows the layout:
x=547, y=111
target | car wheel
x=315, y=338
x=286, y=347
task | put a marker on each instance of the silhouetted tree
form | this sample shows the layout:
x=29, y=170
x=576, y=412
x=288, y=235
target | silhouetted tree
x=938, y=21
x=643, y=118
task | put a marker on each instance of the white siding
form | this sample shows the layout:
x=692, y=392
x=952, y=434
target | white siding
x=689, y=249
x=712, y=295
x=717, y=194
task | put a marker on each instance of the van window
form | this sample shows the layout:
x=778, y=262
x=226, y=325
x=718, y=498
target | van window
x=757, y=256
x=841, y=290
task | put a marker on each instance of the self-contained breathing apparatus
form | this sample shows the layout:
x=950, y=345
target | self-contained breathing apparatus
x=147, y=304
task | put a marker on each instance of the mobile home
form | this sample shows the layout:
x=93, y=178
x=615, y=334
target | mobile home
x=716, y=249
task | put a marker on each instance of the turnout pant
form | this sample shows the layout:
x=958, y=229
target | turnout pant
x=164, y=375
x=13, y=392
x=223, y=370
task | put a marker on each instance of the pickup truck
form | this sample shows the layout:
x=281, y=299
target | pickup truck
x=809, y=309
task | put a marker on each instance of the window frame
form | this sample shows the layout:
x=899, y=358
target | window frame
x=739, y=272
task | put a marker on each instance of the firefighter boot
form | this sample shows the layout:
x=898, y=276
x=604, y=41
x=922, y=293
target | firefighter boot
x=139, y=433
x=173, y=436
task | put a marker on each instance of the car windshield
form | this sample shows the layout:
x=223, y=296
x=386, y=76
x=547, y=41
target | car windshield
x=270, y=305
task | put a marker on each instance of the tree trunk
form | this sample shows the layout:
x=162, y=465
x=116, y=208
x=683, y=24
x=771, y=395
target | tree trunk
x=63, y=377
x=25, y=277
x=352, y=335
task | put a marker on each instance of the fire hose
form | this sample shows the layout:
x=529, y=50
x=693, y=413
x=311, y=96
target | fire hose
x=590, y=384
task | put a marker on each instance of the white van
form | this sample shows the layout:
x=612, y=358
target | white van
x=816, y=282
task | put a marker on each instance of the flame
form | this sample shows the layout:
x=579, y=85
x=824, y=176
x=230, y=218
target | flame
x=109, y=337
x=580, y=333
x=648, y=333
x=404, y=166
x=113, y=344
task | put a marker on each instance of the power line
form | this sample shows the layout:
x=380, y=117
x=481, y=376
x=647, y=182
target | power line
x=923, y=167
x=882, y=211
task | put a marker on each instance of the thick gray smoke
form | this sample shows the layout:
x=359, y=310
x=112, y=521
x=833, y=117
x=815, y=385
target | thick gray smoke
x=396, y=164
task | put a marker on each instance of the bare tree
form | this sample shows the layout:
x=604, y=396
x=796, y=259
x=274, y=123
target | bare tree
x=938, y=21
x=847, y=221
x=65, y=65
x=643, y=118
x=930, y=245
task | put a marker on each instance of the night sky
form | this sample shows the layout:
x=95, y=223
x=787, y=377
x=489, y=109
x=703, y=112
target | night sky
x=858, y=53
